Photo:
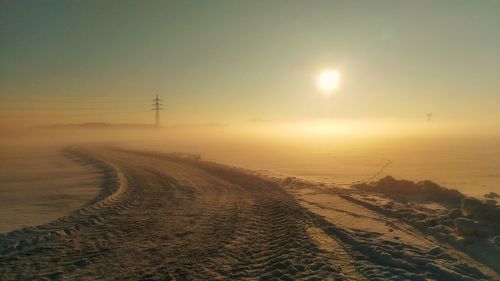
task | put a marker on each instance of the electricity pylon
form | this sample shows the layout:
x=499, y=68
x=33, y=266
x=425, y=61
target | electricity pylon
x=429, y=117
x=157, y=108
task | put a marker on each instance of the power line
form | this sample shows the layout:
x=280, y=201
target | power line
x=157, y=108
x=64, y=101
x=2, y=108
x=429, y=117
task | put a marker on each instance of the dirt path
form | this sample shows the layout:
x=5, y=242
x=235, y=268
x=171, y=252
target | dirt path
x=164, y=217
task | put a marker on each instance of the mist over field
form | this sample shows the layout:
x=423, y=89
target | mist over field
x=250, y=140
x=469, y=163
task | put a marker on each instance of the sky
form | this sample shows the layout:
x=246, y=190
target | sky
x=230, y=61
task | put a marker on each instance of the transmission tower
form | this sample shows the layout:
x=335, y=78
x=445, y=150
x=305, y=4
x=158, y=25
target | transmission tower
x=157, y=107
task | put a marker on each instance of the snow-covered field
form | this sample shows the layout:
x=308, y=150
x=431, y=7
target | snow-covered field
x=171, y=216
x=40, y=184
x=470, y=166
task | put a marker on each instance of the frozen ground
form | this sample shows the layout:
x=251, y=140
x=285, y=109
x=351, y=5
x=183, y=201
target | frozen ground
x=471, y=166
x=172, y=216
x=40, y=184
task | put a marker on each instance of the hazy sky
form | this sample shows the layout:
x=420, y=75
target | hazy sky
x=228, y=61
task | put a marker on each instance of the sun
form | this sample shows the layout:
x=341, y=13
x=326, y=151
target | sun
x=329, y=80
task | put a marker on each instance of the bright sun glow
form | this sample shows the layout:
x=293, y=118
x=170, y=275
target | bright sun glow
x=329, y=80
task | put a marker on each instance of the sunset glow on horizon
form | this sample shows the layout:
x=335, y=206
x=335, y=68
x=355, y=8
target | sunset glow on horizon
x=62, y=66
x=250, y=140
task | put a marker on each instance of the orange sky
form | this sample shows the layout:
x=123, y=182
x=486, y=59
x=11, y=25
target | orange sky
x=228, y=62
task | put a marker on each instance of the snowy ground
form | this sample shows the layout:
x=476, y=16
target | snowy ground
x=171, y=216
x=40, y=184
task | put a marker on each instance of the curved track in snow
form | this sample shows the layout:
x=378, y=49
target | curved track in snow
x=173, y=217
